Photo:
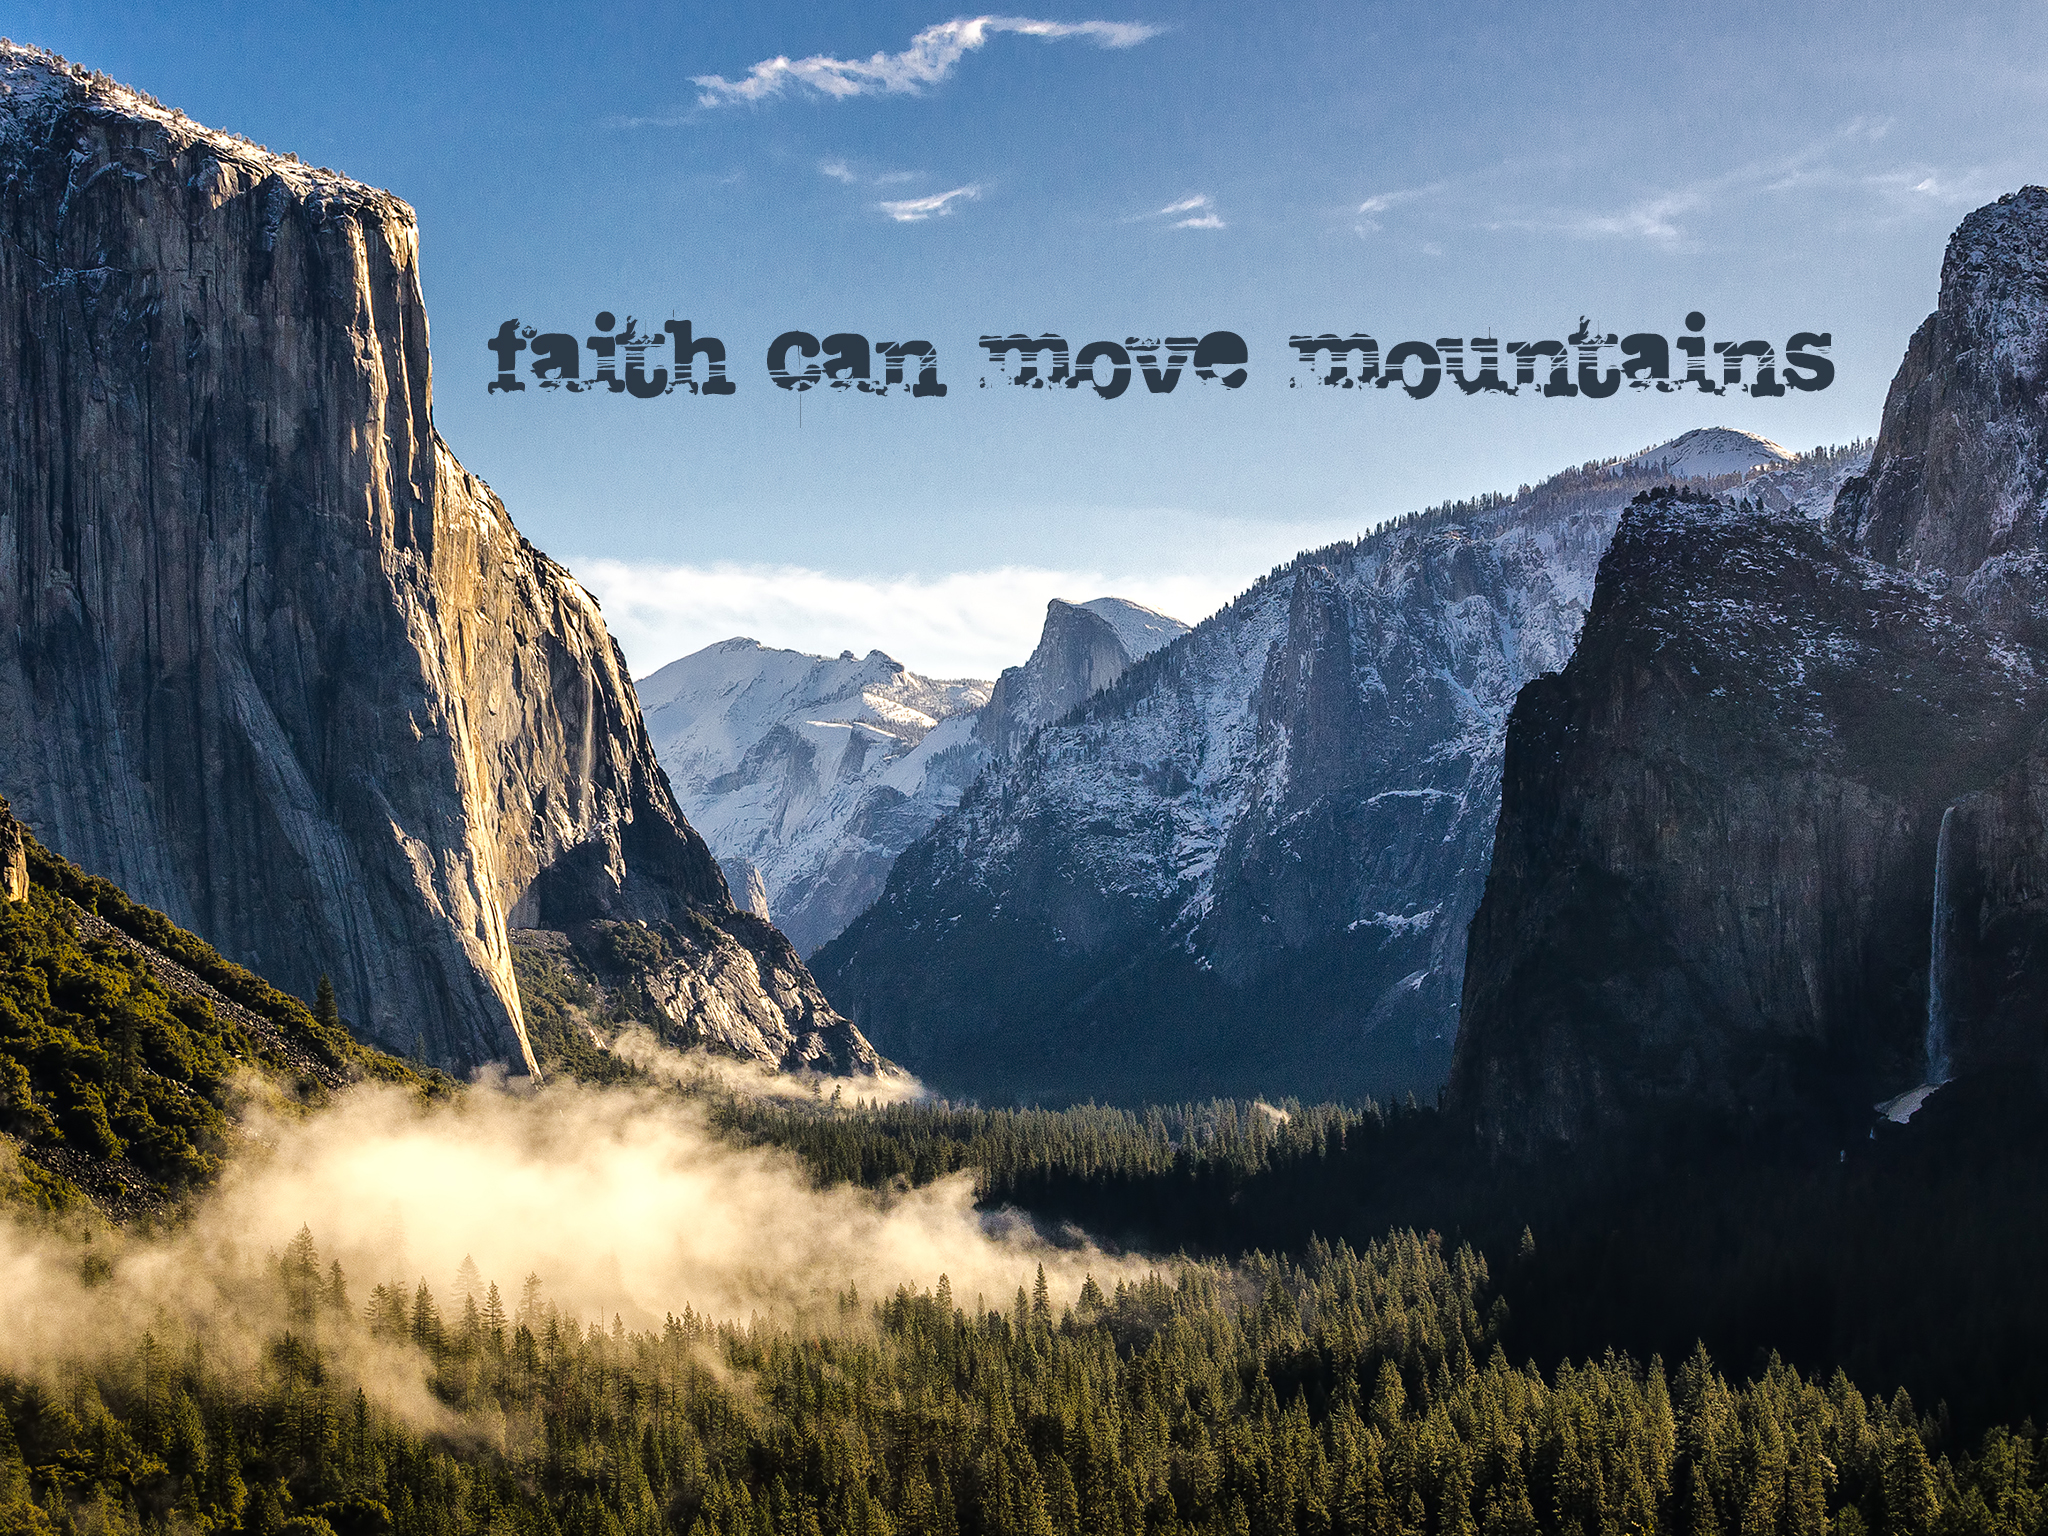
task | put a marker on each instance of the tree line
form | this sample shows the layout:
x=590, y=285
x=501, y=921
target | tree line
x=1355, y=1393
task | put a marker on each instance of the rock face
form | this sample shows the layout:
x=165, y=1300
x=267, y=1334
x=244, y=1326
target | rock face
x=1248, y=866
x=1714, y=871
x=716, y=985
x=277, y=663
x=1083, y=648
x=808, y=776
x=13, y=857
x=1988, y=987
x=1773, y=845
x=1958, y=483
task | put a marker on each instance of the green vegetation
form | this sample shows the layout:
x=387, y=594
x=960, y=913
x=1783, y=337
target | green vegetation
x=110, y=1078
x=1904, y=1255
x=1207, y=1151
x=559, y=1004
x=1357, y=1394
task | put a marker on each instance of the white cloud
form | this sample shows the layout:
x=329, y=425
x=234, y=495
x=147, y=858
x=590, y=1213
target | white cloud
x=956, y=624
x=1941, y=189
x=930, y=58
x=1200, y=207
x=1380, y=202
x=1653, y=219
x=839, y=170
x=913, y=209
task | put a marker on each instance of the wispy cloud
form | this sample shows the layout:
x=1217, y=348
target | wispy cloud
x=1380, y=202
x=1199, y=208
x=1942, y=189
x=1653, y=218
x=1674, y=217
x=931, y=57
x=912, y=210
x=839, y=170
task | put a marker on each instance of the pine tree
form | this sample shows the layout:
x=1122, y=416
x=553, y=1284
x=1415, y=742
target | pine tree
x=326, y=1012
x=1910, y=1499
x=337, y=1290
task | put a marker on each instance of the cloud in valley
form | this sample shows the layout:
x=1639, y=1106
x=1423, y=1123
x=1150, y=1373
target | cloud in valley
x=622, y=1201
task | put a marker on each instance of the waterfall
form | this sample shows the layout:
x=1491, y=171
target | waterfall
x=1937, y=959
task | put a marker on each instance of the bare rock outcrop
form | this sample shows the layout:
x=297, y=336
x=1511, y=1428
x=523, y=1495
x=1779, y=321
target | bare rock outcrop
x=278, y=664
x=1958, y=481
x=13, y=857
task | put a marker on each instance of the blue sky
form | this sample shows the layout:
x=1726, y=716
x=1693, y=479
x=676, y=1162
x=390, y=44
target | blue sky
x=1405, y=170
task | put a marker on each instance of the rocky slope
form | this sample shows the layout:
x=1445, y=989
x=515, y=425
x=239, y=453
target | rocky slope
x=1249, y=865
x=808, y=776
x=277, y=663
x=1772, y=846
x=1958, y=483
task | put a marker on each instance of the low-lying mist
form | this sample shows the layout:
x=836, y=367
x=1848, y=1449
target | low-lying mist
x=622, y=1201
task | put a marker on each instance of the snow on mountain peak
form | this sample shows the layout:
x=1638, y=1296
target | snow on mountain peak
x=1141, y=630
x=1708, y=451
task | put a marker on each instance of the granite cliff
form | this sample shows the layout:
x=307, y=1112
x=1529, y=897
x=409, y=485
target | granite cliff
x=277, y=663
x=1713, y=874
x=1772, y=846
x=1083, y=648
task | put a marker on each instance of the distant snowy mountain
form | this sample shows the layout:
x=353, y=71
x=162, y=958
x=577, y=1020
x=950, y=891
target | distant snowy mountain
x=1083, y=648
x=1249, y=865
x=809, y=775
x=1711, y=451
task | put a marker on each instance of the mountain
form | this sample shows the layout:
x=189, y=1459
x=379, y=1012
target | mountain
x=1705, y=452
x=1249, y=864
x=1771, y=846
x=1083, y=648
x=276, y=662
x=1712, y=881
x=808, y=776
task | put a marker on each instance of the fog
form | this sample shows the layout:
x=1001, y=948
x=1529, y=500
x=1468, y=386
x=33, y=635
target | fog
x=622, y=1200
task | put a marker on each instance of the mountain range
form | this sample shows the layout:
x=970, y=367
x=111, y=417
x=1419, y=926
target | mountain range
x=1249, y=865
x=1706, y=779
x=808, y=776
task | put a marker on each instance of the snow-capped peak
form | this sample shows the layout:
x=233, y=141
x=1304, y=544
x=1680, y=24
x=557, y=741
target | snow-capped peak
x=1705, y=452
x=1141, y=630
